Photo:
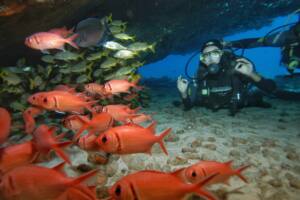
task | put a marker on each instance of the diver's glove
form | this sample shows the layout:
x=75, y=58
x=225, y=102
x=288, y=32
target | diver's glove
x=182, y=85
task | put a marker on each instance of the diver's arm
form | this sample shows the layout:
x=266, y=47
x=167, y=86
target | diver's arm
x=245, y=43
x=245, y=67
x=273, y=40
x=267, y=85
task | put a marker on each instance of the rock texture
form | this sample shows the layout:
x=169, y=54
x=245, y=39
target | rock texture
x=178, y=26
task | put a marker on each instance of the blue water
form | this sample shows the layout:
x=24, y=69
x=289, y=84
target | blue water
x=266, y=59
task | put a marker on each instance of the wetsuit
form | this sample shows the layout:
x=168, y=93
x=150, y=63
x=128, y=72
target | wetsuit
x=226, y=88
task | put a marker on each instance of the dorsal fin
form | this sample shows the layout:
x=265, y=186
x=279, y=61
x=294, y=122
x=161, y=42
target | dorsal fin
x=178, y=172
x=59, y=167
x=228, y=163
x=83, y=177
x=152, y=126
x=52, y=129
x=63, y=144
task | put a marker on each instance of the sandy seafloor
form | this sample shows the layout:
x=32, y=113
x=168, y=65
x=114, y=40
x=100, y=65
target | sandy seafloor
x=268, y=139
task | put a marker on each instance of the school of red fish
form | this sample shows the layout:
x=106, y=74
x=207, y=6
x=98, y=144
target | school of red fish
x=113, y=129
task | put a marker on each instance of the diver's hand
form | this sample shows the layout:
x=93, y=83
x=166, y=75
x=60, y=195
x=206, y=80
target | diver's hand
x=182, y=85
x=244, y=66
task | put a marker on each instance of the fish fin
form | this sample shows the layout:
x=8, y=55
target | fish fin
x=64, y=144
x=70, y=39
x=178, y=172
x=62, y=155
x=52, y=130
x=77, y=135
x=161, y=139
x=152, y=127
x=71, y=30
x=199, y=188
x=29, y=123
x=88, y=105
x=228, y=163
x=226, y=182
x=60, y=136
x=137, y=109
x=83, y=177
x=59, y=167
x=240, y=170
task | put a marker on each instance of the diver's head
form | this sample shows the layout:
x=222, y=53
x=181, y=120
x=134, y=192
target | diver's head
x=211, y=54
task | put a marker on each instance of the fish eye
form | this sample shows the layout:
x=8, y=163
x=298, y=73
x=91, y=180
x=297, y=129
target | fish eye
x=118, y=190
x=33, y=98
x=104, y=139
x=194, y=174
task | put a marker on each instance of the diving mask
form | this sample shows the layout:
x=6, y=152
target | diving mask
x=211, y=57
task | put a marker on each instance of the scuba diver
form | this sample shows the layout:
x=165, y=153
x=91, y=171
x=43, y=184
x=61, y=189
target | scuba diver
x=224, y=81
x=288, y=41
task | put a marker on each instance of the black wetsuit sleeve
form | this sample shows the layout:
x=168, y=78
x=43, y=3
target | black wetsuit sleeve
x=272, y=40
x=247, y=43
x=266, y=85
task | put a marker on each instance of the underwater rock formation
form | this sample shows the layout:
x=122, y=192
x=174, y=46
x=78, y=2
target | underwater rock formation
x=178, y=26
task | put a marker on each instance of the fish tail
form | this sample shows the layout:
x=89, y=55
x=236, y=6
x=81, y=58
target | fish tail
x=59, y=167
x=70, y=39
x=198, y=188
x=62, y=154
x=134, y=84
x=89, y=104
x=240, y=170
x=29, y=123
x=71, y=30
x=77, y=135
x=161, y=139
x=137, y=109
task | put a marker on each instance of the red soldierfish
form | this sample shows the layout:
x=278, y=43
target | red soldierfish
x=140, y=119
x=203, y=169
x=36, y=182
x=131, y=138
x=44, y=41
x=95, y=89
x=61, y=101
x=17, y=155
x=45, y=141
x=5, y=123
x=75, y=122
x=28, y=116
x=100, y=122
x=113, y=87
x=12, y=9
x=121, y=113
x=155, y=185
